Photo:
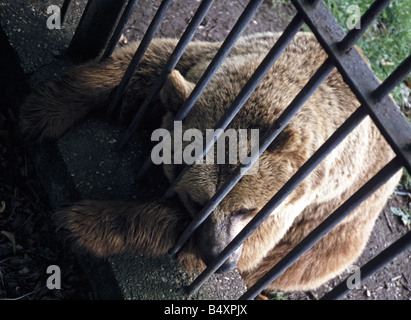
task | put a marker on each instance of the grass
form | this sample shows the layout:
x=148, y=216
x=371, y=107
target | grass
x=275, y=295
x=386, y=43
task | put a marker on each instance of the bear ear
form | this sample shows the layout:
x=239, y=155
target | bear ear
x=175, y=91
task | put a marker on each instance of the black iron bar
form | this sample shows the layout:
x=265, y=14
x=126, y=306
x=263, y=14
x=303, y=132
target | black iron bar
x=372, y=266
x=366, y=20
x=328, y=40
x=63, y=11
x=376, y=104
x=225, y=48
x=316, y=235
x=359, y=77
x=246, y=91
x=210, y=71
x=135, y=61
x=320, y=75
x=393, y=80
x=280, y=196
x=336, y=55
x=95, y=28
x=169, y=66
x=119, y=29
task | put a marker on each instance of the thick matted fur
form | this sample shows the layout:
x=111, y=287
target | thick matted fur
x=106, y=228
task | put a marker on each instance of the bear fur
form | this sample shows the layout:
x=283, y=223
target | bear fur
x=107, y=228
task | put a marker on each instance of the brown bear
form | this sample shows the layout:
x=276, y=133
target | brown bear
x=107, y=228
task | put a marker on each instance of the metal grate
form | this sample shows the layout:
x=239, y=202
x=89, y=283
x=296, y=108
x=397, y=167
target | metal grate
x=372, y=95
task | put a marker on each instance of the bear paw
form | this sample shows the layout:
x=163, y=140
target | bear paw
x=91, y=228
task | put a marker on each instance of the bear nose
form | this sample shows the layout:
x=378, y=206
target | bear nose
x=226, y=266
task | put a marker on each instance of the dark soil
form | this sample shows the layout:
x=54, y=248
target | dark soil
x=28, y=241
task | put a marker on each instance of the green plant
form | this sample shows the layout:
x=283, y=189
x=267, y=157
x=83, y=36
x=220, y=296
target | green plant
x=386, y=43
x=406, y=180
x=275, y=295
x=405, y=216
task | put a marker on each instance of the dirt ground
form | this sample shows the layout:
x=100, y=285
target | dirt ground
x=28, y=241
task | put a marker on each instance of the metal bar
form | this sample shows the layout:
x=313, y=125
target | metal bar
x=119, y=29
x=63, y=11
x=135, y=61
x=372, y=266
x=393, y=80
x=358, y=76
x=333, y=141
x=210, y=71
x=95, y=27
x=170, y=65
x=247, y=90
x=369, y=16
x=337, y=216
x=316, y=235
x=225, y=48
x=316, y=80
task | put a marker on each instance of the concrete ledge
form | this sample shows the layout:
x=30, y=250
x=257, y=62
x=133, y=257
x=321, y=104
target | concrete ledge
x=85, y=164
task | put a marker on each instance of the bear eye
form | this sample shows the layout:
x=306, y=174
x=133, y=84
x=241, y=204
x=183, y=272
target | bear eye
x=194, y=204
x=244, y=212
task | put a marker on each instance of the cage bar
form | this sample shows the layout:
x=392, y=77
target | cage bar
x=247, y=90
x=333, y=141
x=95, y=27
x=372, y=95
x=212, y=68
x=375, y=9
x=222, y=53
x=316, y=235
x=387, y=86
x=316, y=80
x=372, y=266
x=358, y=76
x=119, y=29
x=64, y=9
x=393, y=80
x=118, y=92
x=170, y=65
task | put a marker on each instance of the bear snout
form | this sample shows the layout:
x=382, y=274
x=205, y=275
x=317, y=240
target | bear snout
x=212, y=238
